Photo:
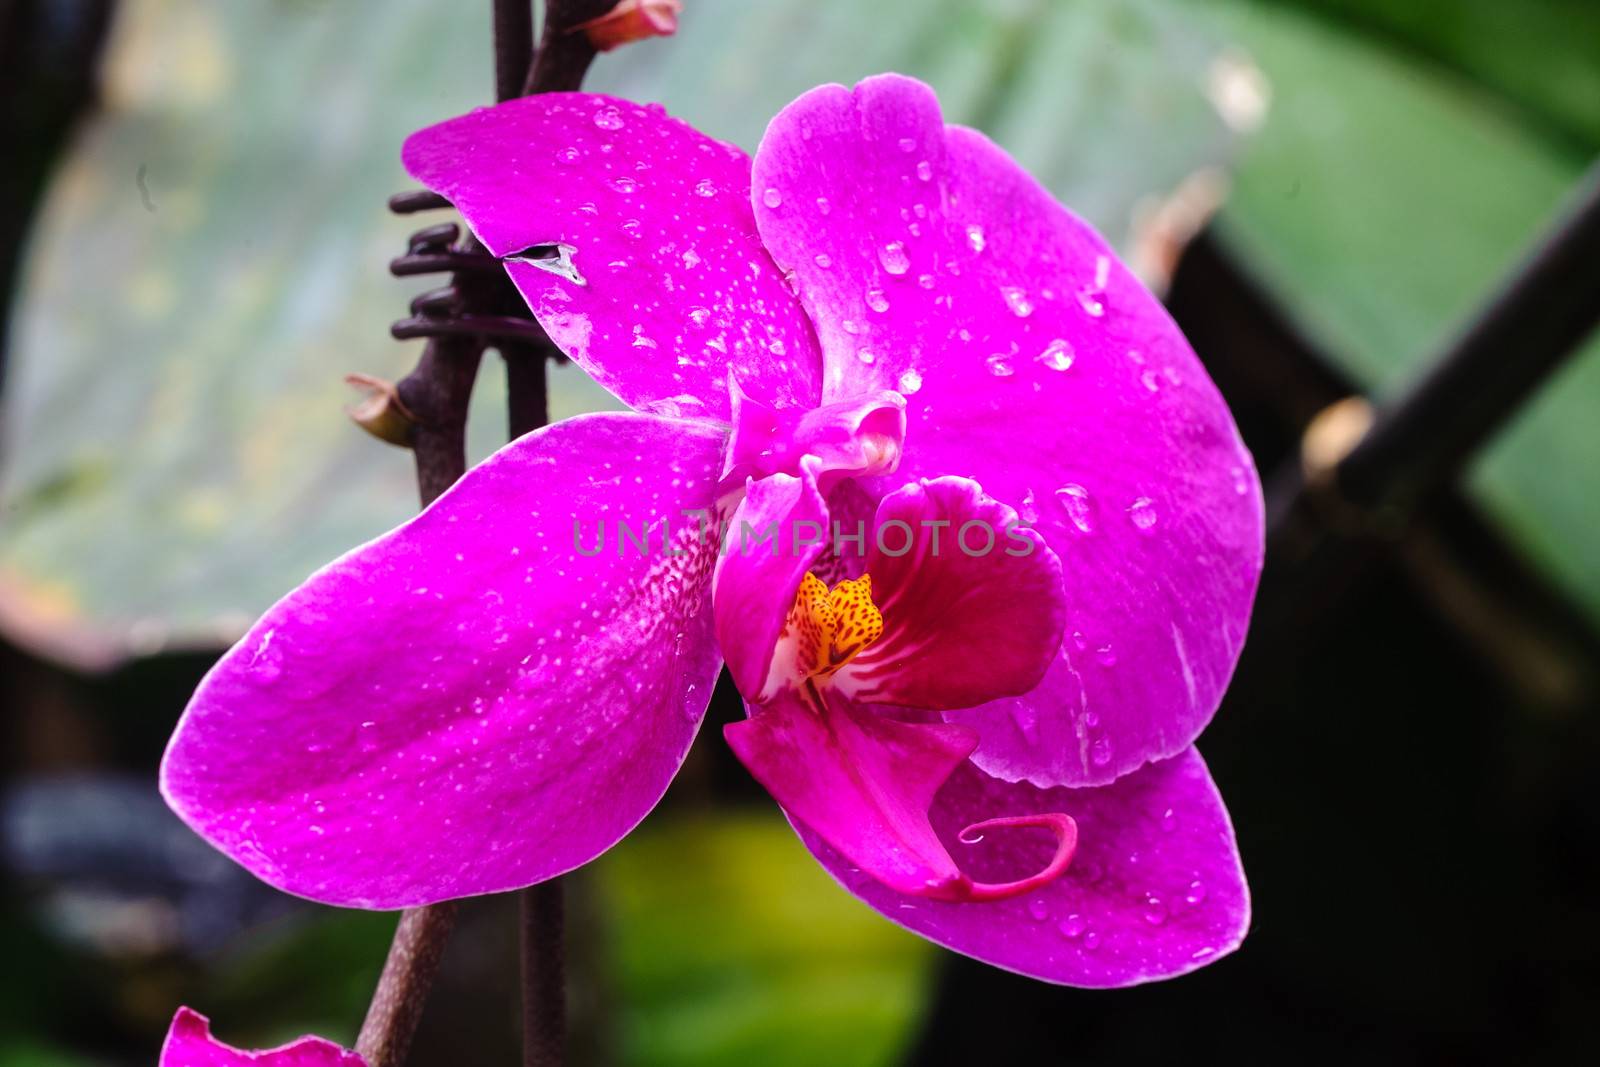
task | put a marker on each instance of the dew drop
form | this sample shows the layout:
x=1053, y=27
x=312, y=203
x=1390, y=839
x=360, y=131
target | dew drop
x=1100, y=752
x=1155, y=912
x=1017, y=300
x=608, y=118
x=699, y=315
x=771, y=198
x=568, y=156
x=1082, y=642
x=925, y=171
x=1196, y=892
x=1169, y=821
x=1038, y=909
x=910, y=382
x=1090, y=301
x=632, y=229
x=624, y=184
x=877, y=301
x=823, y=260
x=1079, y=506
x=1142, y=512
x=894, y=259
x=1241, y=482
x=925, y=280
x=1072, y=926
x=1106, y=656
x=1057, y=355
x=849, y=326
x=1000, y=365
x=1030, y=508
x=975, y=239
x=1091, y=940
x=908, y=144
x=1150, y=380
x=866, y=355
x=706, y=188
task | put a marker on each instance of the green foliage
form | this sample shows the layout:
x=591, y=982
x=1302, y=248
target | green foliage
x=729, y=945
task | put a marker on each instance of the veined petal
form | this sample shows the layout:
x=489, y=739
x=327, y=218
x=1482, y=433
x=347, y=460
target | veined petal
x=1155, y=890
x=190, y=1044
x=1035, y=363
x=776, y=532
x=486, y=697
x=971, y=601
x=659, y=283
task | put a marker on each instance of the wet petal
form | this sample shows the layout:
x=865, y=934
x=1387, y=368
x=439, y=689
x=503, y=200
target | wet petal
x=1036, y=364
x=190, y=1044
x=1155, y=889
x=661, y=284
x=860, y=781
x=776, y=532
x=971, y=601
x=473, y=702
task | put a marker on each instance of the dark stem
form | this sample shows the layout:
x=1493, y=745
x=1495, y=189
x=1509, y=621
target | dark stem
x=564, y=56
x=1543, y=311
x=408, y=975
x=544, y=991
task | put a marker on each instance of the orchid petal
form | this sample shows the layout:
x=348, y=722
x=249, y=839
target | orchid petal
x=774, y=535
x=1155, y=890
x=630, y=235
x=972, y=607
x=860, y=781
x=190, y=1044
x=478, y=700
x=1035, y=363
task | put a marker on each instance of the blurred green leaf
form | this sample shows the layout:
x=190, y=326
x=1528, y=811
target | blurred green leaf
x=1381, y=202
x=730, y=945
x=178, y=458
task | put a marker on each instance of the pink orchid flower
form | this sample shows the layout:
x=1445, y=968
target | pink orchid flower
x=190, y=1044
x=880, y=326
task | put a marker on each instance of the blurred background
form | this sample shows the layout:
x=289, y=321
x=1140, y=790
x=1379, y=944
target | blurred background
x=193, y=249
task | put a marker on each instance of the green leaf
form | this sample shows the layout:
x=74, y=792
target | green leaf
x=1382, y=201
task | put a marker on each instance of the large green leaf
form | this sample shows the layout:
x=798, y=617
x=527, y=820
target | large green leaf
x=1381, y=202
x=729, y=945
x=178, y=458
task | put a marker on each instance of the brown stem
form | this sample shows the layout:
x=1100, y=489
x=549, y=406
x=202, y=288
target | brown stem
x=402, y=991
x=544, y=993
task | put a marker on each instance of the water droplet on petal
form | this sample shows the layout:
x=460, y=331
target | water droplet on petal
x=1000, y=365
x=608, y=118
x=1057, y=355
x=624, y=185
x=1196, y=893
x=1079, y=506
x=975, y=239
x=1241, y=481
x=771, y=198
x=925, y=170
x=894, y=259
x=1100, y=752
x=910, y=382
x=1143, y=513
x=1155, y=912
x=705, y=187
x=823, y=260
x=1017, y=300
x=908, y=144
x=568, y=156
x=1089, y=300
x=1169, y=821
x=1106, y=656
x=925, y=280
x=1150, y=380
x=1091, y=940
x=823, y=206
x=866, y=355
x=1038, y=909
x=877, y=301
x=849, y=326
x=1072, y=926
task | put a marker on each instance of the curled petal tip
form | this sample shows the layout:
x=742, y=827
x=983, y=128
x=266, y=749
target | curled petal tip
x=631, y=20
x=964, y=890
